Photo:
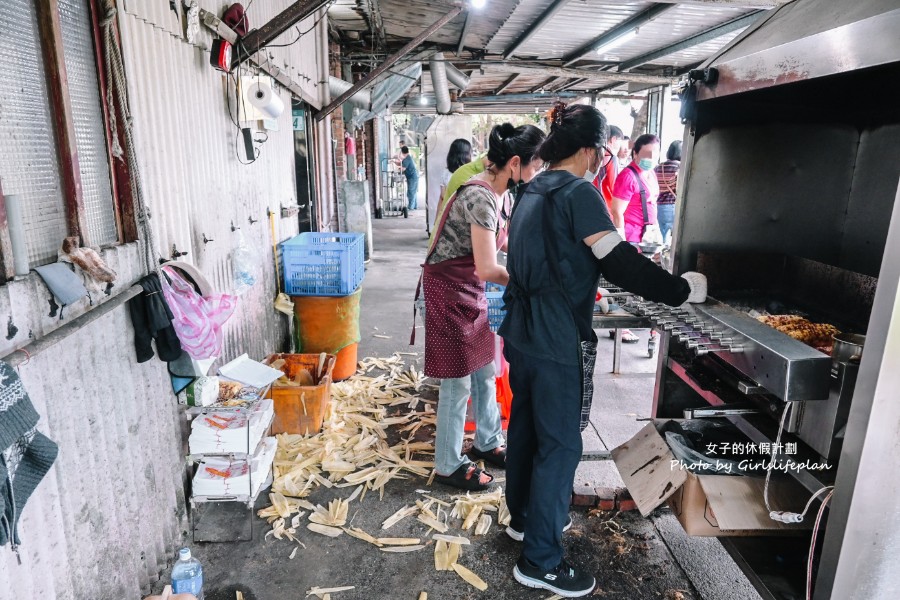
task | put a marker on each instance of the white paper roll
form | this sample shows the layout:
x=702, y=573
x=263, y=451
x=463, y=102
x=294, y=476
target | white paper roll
x=264, y=98
x=16, y=223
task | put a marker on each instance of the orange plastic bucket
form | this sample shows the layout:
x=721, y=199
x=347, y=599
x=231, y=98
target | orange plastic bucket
x=330, y=324
x=301, y=409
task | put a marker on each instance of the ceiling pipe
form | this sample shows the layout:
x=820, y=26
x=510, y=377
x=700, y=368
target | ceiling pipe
x=389, y=62
x=362, y=98
x=438, y=69
x=457, y=77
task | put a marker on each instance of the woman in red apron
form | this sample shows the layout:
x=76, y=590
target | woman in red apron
x=459, y=345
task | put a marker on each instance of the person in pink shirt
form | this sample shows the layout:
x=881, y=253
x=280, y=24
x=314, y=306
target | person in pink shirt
x=350, y=154
x=636, y=190
x=634, y=205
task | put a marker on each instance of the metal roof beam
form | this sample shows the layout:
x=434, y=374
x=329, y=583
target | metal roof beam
x=570, y=84
x=265, y=35
x=389, y=62
x=761, y=4
x=518, y=97
x=505, y=85
x=642, y=18
x=543, y=85
x=535, y=27
x=601, y=76
x=694, y=40
x=599, y=91
x=465, y=32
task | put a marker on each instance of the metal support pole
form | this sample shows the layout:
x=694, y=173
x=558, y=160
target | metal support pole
x=389, y=62
x=23, y=354
x=617, y=351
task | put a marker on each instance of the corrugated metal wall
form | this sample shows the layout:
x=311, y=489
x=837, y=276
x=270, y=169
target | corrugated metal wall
x=194, y=182
x=300, y=60
x=107, y=518
x=104, y=521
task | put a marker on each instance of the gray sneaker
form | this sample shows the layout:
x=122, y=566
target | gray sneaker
x=520, y=535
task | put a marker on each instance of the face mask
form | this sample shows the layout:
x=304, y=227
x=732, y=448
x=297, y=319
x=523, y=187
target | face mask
x=590, y=176
x=646, y=164
x=513, y=186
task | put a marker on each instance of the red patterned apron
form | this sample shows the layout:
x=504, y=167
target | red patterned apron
x=458, y=338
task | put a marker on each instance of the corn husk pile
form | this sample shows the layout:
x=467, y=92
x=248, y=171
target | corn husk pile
x=352, y=452
x=352, y=449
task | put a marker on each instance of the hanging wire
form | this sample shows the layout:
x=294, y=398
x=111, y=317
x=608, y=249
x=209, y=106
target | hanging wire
x=115, y=76
x=300, y=34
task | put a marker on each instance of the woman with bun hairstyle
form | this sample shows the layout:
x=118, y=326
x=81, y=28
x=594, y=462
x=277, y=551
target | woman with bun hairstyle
x=459, y=345
x=561, y=240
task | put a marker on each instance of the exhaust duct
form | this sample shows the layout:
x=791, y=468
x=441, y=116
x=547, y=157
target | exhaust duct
x=439, y=82
x=457, y=77
x=361, y=99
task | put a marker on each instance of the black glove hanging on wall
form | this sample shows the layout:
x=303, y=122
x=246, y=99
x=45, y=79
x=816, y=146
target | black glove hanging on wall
x=152, y=320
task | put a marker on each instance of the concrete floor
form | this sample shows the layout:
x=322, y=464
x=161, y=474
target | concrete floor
x=620, y=401
x=633, y=558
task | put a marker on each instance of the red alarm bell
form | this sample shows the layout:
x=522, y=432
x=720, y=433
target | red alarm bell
x=220, y=55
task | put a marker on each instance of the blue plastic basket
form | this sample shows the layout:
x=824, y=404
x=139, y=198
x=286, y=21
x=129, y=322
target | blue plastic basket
x=496, y=312
x=323, y=264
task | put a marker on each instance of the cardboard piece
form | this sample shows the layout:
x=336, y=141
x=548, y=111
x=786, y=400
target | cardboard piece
x=705, y=505
x=643, y=462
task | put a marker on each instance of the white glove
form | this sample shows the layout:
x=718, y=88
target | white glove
x=603, y=303
x=697, y=282
x=652, y=235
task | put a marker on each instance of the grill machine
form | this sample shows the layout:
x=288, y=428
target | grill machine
x=788, y=203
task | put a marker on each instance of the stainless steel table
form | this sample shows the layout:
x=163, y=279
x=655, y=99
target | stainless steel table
x=618, y=320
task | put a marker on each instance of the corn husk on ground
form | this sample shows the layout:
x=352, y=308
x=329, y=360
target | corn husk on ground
x=353, y=451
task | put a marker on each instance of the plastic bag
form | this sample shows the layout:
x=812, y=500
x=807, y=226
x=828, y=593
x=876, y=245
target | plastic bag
x=245, y=266
x=197, y=319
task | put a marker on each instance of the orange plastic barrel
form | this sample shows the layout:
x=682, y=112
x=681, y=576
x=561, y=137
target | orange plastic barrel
x=330, y=324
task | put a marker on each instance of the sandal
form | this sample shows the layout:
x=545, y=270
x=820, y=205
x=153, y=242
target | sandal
x=628, y=337
x=467, y=477
x=496, y=457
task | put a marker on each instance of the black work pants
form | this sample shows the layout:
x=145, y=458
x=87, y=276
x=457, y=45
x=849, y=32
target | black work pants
x=543, y=451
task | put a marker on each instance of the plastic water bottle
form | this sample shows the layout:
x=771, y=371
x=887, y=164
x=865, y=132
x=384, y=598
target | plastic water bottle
x=187, y=575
